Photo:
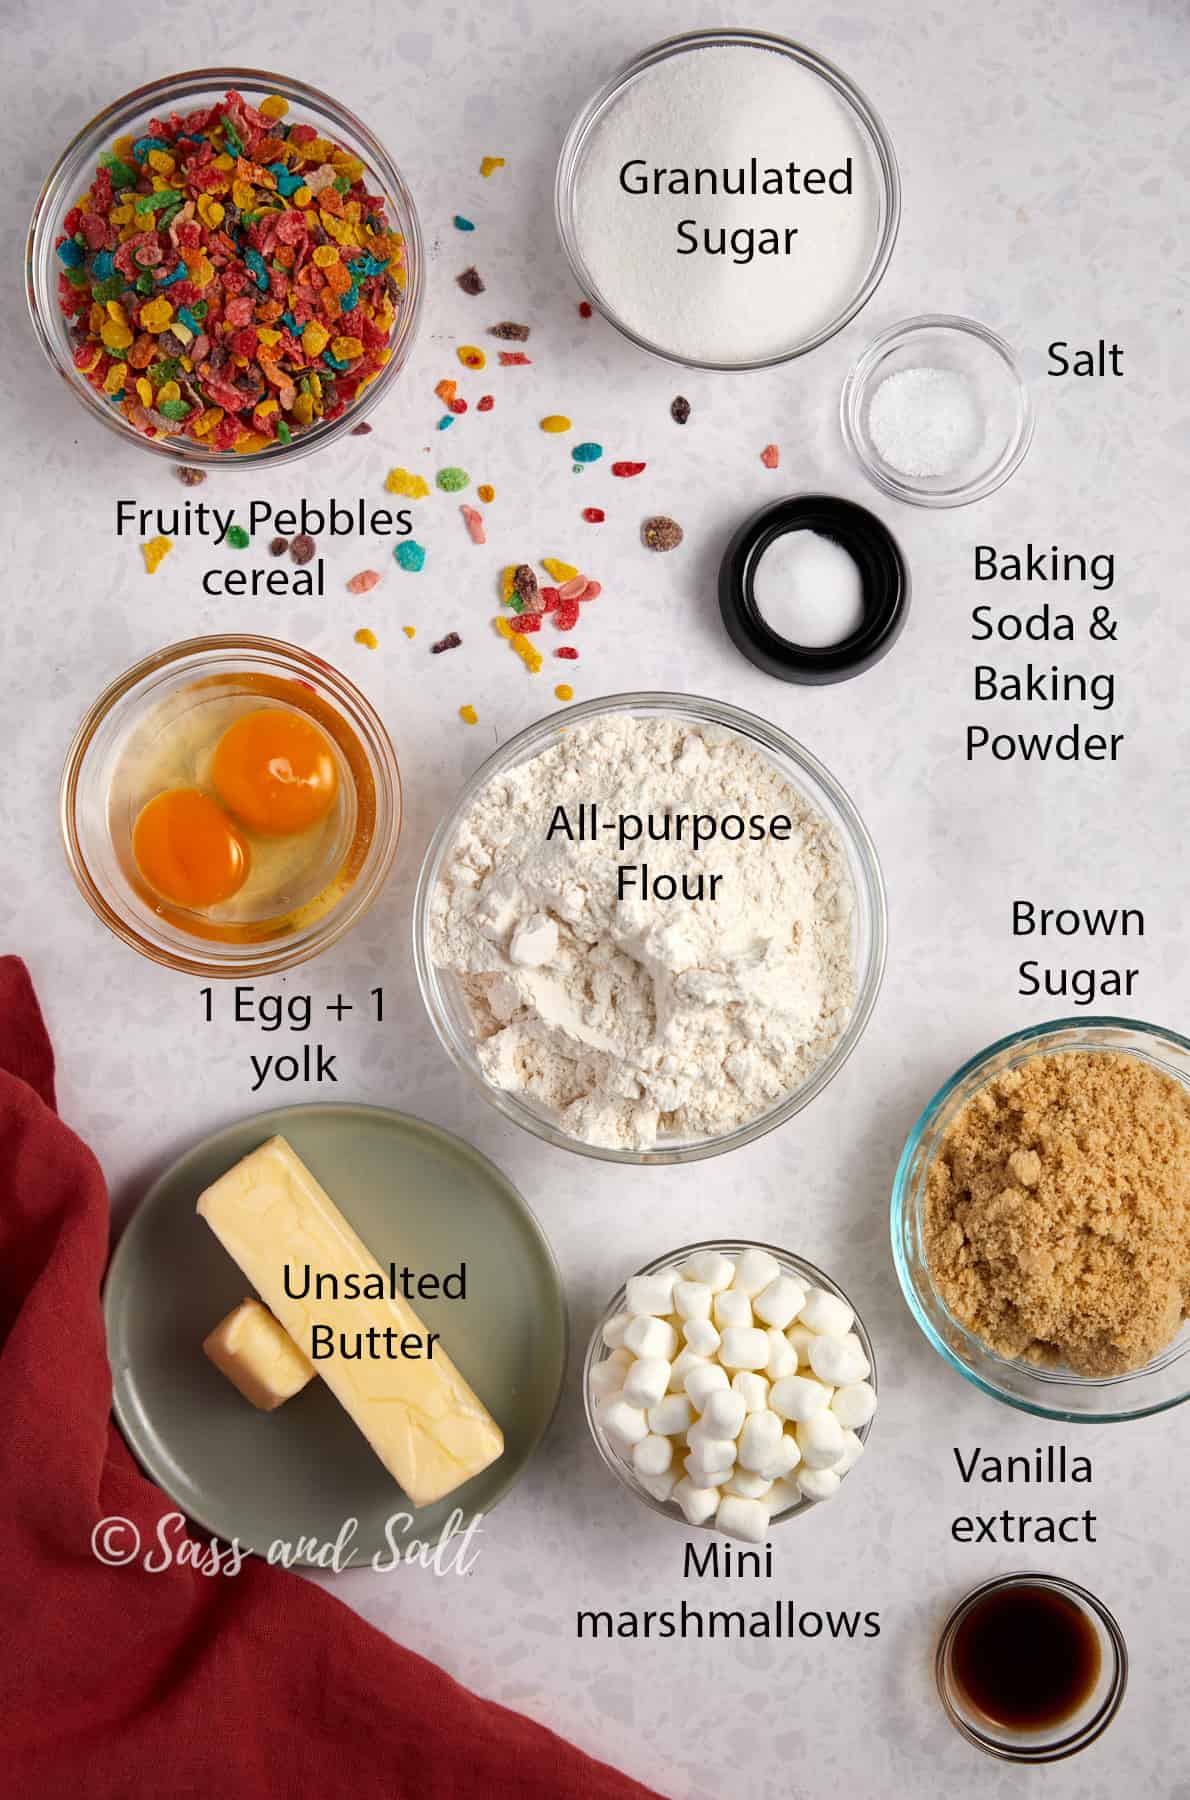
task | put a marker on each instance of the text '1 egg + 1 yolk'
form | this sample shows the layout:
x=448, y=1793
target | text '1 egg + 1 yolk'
x=188, y=850
x=275, y=771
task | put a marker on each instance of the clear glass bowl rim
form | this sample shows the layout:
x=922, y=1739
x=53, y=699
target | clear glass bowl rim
x=539, y=735
x=595, y=1350
x=566, y=181
x=851, y=397
x=899, y=1206
x=1057, y=1749
x=361, y=715
x=57, y=194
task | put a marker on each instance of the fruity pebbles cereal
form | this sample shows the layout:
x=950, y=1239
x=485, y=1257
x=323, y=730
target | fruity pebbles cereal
x=228, y=278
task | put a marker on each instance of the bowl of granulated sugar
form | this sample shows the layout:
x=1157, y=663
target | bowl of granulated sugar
x=729, y=200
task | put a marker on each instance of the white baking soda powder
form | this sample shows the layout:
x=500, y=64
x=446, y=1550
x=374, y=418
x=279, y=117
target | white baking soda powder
x=809, y=590
x=728, y=204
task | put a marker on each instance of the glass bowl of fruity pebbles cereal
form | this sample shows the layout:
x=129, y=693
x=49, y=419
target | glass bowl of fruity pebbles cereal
x=226, y=264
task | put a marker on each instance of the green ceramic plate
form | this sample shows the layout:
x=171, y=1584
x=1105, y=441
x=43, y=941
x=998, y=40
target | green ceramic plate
x=416, y=1195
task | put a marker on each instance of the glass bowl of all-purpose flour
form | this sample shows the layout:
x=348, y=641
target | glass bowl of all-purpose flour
x=729, y=200
x=652, y=929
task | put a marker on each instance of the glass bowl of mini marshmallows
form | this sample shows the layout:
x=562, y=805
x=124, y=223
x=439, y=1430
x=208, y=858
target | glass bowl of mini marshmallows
x=730, y=1386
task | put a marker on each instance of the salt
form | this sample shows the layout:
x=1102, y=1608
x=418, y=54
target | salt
x=926, y=422
x=809, y=590
x=680, y=248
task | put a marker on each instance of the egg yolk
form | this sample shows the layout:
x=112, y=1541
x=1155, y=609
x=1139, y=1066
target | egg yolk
x=276, y=772
x=188, y=850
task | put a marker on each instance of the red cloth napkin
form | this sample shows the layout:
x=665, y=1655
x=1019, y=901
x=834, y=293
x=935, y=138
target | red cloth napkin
x=119, y=1684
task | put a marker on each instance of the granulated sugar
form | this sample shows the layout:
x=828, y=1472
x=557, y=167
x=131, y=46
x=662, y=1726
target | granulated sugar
x=718, y=273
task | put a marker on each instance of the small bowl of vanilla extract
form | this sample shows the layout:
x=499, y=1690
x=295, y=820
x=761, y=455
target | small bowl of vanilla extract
x=1031, y=1668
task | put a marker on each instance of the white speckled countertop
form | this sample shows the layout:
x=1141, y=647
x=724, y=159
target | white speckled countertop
x=1043, y=152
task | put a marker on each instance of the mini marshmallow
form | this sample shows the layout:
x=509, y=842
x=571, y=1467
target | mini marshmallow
x=838, y=1360
x=785, y=1458
x=724, y=1413
x=753, y=1390
x=817, y=1484
x=660, y=1486
x=826, y=1313
x=608, y=1375
x=759, y=1440
x=697, y=1503
x=732, y=1308
x=649, y=1336
x=646, y=1381
x=624, y=1423
x=799, y=1338
x=651, y=1293
x=710, y=1267
x=671, y=1416
x=799, y=1397
x=853, y=1405
x=747, y=1485
x=782, y=1355
x=781, y=1496
x=744, y=1347
x=754, y=1271
x=780, y=1302
x=711, y=1460
x=683, y=1362
x=613, y=1331
x=853, y=1449
x=820, y=1440
x=747, y=1519
x=653, y=1455
x=701, y=1336
x=692, y=1299
x=702, y=1381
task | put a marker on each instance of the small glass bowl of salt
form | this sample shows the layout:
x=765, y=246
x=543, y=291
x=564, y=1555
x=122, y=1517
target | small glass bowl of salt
x=936, y=411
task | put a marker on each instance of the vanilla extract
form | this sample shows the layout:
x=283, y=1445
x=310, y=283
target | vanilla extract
x=1046, y=685
x=1026, y=1656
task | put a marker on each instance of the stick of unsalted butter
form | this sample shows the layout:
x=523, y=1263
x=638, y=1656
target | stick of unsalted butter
x=258, y=1356
x=420, y=1417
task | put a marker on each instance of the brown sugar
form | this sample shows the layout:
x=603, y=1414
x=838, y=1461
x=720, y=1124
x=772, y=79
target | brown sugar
x=1057, y=1213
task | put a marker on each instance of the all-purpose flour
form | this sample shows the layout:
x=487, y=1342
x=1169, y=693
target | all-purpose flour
x=690, y=270
x=635, y=1019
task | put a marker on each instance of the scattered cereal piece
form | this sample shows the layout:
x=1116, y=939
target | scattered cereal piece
x=770, y=456
x=154, y=551
x=409, y=630
x=555, y=422
x=278, y=546
x=452, y=480
x=471, y=281
x=568, y=651
x=363, y=430
x=457, y=406
x=587, y=453
x=626, y=469
x=468, y=715
x=486, y=492
x=594, y=515
x=563, y=691
x=451, y=641
x=189, y=477
x=446, y=421
x=412, y=487
x=510, y=331
x=508, y=584
x=513, y=359
x=490, y=164
x=679, y=409
x=364, y=582
x=549, y=599
x=566, y=615
x=446, y=390
x=529, y=621
x=561, y=571
x=367, y=638
x=462, y=224
x=584, y=309
x=237, y=537
x=410, y=555
x=473, y=520
x=485, y=403
x=524, y=584
x=573, y=589
x=303, y=548
x=471, y=356
x=661, y=533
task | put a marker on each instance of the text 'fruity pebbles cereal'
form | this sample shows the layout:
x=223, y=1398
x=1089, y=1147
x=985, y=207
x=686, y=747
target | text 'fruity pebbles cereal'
x=228, y=278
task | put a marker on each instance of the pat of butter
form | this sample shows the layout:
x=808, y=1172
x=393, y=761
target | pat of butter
x=258, y=1356
x=420, y=1417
